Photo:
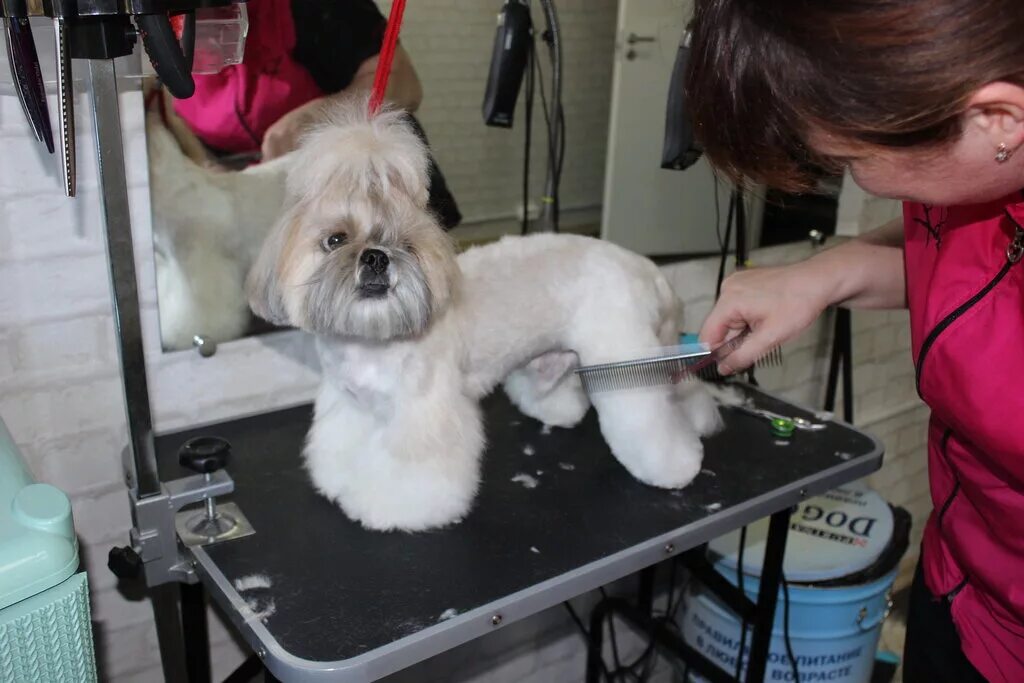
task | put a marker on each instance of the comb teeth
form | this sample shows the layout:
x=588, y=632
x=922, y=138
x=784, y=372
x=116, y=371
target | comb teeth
x=656, y=371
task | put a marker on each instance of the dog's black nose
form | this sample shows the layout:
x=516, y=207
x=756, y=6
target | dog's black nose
x=375, y=259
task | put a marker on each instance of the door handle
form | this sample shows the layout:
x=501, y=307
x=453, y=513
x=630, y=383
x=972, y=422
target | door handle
x=633, y=39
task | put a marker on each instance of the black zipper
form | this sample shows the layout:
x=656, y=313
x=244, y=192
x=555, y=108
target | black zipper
x=1014, y=252
x=956, y=485
x=956, y=591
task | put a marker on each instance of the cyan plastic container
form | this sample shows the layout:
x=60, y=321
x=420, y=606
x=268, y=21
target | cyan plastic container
x=840, y=565
x=45, y=627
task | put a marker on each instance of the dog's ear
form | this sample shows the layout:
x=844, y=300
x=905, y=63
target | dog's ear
x=263, y=286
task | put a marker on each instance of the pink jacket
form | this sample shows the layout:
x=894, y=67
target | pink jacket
x=965, y=288
x=232, y=110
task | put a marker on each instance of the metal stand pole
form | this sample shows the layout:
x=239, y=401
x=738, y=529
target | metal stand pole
x=669, y=643
x=768, y=596
x=197, y=638
x=140, y=458
x=842, y=352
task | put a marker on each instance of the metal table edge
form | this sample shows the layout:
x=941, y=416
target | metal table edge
x=446, y=635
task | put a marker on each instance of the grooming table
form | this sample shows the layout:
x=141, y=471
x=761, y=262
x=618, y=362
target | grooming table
x=353, y=606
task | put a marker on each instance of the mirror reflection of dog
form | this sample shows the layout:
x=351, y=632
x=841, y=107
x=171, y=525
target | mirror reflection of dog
x=411, y=337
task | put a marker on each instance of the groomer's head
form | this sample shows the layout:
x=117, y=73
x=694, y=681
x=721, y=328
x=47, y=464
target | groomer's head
x=915, y=97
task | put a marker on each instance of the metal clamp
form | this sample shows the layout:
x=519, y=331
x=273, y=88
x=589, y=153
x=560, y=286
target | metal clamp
x=155, y=536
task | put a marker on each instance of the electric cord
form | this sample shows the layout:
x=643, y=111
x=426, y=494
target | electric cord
x=586, y=637
x=718, y=214
x=528, y=104
x=611, y=635
x=554, y=121
x=725, y=246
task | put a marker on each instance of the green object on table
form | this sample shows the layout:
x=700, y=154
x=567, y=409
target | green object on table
x=782, y=427
x=45, y=629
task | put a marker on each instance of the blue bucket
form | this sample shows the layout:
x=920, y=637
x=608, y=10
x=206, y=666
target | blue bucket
x=841, y=562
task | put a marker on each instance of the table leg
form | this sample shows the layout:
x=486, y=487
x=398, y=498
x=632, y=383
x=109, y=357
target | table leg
x=194, y=626
x=595, y=648
x=168, y=630
x=645, y=591
x=767, y=597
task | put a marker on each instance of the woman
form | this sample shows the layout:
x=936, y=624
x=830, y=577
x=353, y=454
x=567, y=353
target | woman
x=299, y=55
x=922, y=101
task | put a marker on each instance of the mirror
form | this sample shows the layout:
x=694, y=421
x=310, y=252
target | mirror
x=218, y=161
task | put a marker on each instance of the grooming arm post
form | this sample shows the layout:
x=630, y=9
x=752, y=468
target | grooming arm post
x=140, y=456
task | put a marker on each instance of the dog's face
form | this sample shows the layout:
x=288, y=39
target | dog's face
x=357, y=254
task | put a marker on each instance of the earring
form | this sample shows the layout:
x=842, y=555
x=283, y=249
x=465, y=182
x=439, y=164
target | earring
x=1003, y=154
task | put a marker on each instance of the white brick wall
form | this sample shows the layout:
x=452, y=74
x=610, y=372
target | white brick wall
x=61, y=395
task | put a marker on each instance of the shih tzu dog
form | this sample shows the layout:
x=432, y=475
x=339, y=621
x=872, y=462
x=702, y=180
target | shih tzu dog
x=411, y=337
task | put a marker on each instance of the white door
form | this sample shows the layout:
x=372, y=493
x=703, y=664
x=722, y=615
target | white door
x=647, y=209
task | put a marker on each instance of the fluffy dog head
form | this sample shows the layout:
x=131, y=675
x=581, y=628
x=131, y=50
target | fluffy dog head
x=357, y=253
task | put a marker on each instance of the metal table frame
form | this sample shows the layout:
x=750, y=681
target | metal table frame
x=180, y=610
x=687, y=544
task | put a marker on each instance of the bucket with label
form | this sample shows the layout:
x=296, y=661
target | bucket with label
x=842, y=555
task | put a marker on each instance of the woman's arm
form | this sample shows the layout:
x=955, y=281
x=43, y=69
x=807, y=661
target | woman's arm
x=869, y=269
x=777, y=304
x=404, y=87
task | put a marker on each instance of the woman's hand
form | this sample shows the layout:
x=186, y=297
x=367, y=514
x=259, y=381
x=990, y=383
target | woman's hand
x=283, y=136
x=776, y=304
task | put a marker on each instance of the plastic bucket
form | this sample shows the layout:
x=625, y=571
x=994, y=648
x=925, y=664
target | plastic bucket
x=835, y=616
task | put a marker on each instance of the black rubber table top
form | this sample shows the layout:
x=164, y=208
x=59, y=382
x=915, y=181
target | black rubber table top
x=340, y=591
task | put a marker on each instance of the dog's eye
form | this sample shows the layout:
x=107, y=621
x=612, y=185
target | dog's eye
x=332, y=242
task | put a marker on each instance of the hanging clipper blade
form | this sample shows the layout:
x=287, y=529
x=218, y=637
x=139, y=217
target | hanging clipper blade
x=66, y=105
x=27, y=76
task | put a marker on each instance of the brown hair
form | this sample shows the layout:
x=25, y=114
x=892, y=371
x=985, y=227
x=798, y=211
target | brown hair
x=882, y=73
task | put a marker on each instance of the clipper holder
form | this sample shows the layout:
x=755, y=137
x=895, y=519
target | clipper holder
x=100, y=31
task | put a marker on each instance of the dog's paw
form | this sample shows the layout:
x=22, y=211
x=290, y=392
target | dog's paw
x=653, y=438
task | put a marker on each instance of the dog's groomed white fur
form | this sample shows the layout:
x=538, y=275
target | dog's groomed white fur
x=412, y=338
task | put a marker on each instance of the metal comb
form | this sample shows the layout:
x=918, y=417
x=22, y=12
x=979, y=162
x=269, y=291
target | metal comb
x=669, y=367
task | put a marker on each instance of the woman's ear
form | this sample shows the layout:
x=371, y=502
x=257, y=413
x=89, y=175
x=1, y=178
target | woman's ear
x=997, y=110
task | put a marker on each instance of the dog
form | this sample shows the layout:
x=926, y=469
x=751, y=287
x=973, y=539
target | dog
x=411, y=336
x=208, y=226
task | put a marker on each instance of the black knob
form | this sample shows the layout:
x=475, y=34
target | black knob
x=205, y=454
x=124, y=562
